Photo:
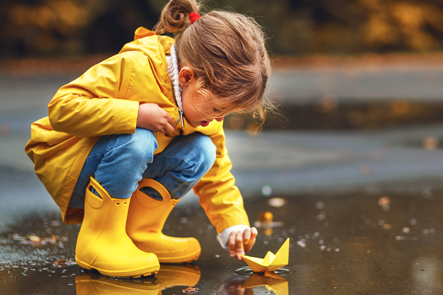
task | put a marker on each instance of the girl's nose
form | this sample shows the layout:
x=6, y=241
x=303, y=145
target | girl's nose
x=219, y=119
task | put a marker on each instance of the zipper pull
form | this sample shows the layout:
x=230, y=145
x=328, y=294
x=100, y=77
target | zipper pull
x=181, y=117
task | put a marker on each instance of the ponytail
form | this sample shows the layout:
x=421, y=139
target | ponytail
x=174, y=16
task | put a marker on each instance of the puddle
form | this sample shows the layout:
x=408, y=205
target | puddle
x=343, y=114
x=340, y=241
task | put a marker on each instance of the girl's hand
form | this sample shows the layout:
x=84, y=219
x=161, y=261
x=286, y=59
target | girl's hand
x=152, y=117
x=240, y=242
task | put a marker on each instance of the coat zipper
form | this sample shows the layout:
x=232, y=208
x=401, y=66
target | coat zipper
x=180, y=118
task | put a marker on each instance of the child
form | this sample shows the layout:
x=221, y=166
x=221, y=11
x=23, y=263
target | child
x=123, y=142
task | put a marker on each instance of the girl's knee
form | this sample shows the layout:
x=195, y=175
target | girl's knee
x=141, y=145
x=206, y=151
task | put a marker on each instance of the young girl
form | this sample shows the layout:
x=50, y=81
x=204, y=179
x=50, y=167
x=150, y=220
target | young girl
x=123, y=142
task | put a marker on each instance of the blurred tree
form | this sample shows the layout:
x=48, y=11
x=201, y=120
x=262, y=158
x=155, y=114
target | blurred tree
x=413, y=25
x=348, y=26
x=70, y=27
x=75, y=27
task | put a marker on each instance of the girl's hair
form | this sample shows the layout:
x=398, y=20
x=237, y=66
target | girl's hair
x=226, y=51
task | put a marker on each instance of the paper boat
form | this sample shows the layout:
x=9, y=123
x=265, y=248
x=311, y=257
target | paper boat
x=270, y=262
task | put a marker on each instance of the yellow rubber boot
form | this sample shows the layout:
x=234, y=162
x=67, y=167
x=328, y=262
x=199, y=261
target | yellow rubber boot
x=102, y=242
x=146, y=219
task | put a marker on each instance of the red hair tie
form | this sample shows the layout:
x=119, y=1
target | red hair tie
x=193, y=17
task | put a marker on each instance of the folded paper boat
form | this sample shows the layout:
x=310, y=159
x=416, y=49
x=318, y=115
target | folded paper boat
x=270, y=262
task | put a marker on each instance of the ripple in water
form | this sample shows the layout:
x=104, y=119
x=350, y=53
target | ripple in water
x=246, y=271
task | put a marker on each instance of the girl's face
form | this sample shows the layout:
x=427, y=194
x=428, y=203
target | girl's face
x=198, y=109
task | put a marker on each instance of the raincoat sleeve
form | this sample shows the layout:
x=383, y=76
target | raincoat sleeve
x=219, y=196
x=95, y=104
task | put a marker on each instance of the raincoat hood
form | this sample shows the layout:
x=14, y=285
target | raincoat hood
x=156, y=47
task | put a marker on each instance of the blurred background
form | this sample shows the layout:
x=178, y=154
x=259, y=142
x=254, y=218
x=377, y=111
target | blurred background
x=323, y=53
x=66, y=28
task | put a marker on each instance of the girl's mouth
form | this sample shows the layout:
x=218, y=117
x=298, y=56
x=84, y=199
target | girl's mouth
x=204, y=123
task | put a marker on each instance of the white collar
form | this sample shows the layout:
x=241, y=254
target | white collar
x=173, y=74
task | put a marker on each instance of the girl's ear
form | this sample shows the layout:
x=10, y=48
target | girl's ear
x=186, y=75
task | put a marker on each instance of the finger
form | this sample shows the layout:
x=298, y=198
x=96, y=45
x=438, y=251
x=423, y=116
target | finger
x=169, y=129
x=252, y=241
x=171, y=121
x=254, y=232
x=231, y=244
x=239, y=245
x=246, y=236
x=169, y=124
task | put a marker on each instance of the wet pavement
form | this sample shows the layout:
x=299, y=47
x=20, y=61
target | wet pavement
x=367, y=240
x=360, y=200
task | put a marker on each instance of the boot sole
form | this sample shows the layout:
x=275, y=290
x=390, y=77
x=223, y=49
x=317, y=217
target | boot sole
x=133, y=273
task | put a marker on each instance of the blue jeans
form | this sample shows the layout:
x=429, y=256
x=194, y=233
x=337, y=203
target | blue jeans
x=118, y=162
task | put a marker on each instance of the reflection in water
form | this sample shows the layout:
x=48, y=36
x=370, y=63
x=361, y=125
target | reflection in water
x=266, y=222
x=92, y=283
x=246, y=271
x=240, y=285
x=234, y=286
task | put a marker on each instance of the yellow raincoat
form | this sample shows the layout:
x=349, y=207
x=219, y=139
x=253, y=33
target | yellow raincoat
x=105, y=100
